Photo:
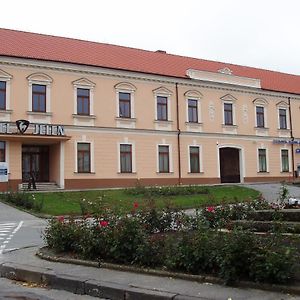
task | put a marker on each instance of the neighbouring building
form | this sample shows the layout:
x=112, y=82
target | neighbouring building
x=91, y=115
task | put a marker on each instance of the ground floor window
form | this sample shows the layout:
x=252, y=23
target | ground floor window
x=84, y=157
x=194, y=159
x=164, y=159
x=126, y=158
x=262, y=160
x=284, y=160
x=2, y=151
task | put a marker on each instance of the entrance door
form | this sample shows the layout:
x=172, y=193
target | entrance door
x=35, y=160
x=230, y=165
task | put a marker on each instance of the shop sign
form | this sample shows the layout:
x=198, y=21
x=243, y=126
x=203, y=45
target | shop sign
x=286, y=141
x=3, y=172
x=34, y=128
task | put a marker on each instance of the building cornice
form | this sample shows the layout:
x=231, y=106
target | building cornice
x=131, y=75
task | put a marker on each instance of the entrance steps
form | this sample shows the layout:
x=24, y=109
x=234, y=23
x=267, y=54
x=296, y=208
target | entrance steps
x=40, y=186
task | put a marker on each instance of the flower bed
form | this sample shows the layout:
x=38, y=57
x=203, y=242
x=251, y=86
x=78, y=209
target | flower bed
x=173, y=241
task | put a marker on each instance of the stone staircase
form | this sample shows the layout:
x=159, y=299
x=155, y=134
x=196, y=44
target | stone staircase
x=40, y=186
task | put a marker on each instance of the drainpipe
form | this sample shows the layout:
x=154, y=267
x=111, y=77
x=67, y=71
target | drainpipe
x=292, y=138
x=178, y=135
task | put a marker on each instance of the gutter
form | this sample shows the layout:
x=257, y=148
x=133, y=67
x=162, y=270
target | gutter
x=178, y=136
x=292, y=138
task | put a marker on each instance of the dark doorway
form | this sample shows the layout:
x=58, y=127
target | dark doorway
x=230, y=165
x=35, y=160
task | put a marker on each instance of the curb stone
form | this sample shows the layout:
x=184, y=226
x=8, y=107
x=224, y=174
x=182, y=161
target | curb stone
x=291, y=289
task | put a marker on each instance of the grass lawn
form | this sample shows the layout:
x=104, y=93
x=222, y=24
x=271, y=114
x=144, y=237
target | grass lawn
x=67, y=203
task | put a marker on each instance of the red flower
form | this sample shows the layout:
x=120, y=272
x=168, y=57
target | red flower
x=210, y=209
x=61, y=219
x=103, y=223
x=135, y=205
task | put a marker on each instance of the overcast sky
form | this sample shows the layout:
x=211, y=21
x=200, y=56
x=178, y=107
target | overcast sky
x=258, y=33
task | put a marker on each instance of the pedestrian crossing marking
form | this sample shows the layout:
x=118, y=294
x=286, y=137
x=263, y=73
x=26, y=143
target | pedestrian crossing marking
x=7, y=231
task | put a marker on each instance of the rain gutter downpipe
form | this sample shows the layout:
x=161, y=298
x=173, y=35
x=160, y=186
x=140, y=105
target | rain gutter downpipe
x=178, y=135
x=292, y=138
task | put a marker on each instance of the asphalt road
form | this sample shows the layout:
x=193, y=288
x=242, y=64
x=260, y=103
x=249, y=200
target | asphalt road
x=19, y=229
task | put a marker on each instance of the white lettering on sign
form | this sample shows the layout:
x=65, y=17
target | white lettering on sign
x=43, y=129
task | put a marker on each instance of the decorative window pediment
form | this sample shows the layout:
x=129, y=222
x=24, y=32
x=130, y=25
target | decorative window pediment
x=39, y=77
x=125, y=86
x=228, y=97
x=162, y=91
x=260, y=101
x=282, y=104
x=83, y=82
x=225, y=70
x=193, y=94
x=5, y=76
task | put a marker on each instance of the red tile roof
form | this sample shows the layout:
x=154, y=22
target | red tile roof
x=52, y=48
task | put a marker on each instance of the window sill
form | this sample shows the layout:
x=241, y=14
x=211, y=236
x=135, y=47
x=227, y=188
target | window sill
x=261, y=128
x=126, y=173
x=6, y=111
x=125, y=119
x=84, y=116
x=84, y=173
x=164, y=173
x=39, y=113
x=194, y=123
x=283, y=129
x=163, y=121
x=195, y=173
x=286, y=172
x=263, y=172
x=229, y=126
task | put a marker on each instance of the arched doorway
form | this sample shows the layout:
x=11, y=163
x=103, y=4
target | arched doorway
x=230, y=165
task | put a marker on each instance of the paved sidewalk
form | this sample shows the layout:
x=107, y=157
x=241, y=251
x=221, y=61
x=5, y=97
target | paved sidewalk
x=270, y=191
x=116, y=285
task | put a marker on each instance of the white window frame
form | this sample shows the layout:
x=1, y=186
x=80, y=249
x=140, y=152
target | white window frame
x=125, y=87
x=7, y=79
x=84, y=83
x=193, y=95
x=200, y=158
x=289, y=160
x=260, y=102
x=133, y=160
x=229, y=99
x=267, y=160
x=163, y=92
x=40, y=79
x=170, y=158
x=83, y=140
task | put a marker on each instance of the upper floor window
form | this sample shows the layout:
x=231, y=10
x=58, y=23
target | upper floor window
x=126, y=158
x=2, y=151
x=163, y=159
x=193, y=110
x=39, y=93
x=83, y=101
x=2, y=95
x=83, y=158
x=260, y=116
x=162, y=108
x=282, y=118
x=228, y=114
x=124, y=105
x=194, y=159
x=38, y=98
x=125, y=101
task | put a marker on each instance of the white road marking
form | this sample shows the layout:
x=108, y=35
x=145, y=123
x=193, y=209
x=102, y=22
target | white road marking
x=8, y=235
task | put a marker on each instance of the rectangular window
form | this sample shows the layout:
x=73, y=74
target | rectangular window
x=193, y=110
x=2, y=95
x=124, y=105
x=260, y=116
x=282, y=119
x=228, y=114
x=284, y=160
x=83, y=101
x=194, y=159
x=2, y=151
x=162, y=108
x=126, y=158
x=83, y=158
x=262, y=160
x=38, y=98
x=164, y=164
